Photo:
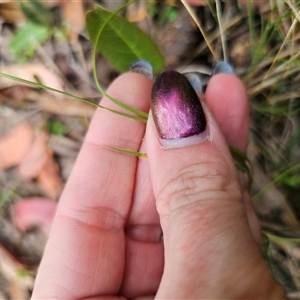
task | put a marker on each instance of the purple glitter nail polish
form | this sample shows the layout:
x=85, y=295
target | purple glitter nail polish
x=176, y=109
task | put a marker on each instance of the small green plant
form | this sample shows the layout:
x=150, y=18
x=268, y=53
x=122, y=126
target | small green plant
x=25, y=41
x=109, y=33
x=121, y=42
x=165, y=14
x=269, y=67
x=36, y=30
x=56, y=127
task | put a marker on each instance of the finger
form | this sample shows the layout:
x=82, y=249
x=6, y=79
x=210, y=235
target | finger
x=206, y=235
x=85, y=254
x=231, y=111
x=143, y=225
x=143, y=222
x=144, y=247
x=227, y=99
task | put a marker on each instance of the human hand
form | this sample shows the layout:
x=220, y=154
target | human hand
x=106, y=240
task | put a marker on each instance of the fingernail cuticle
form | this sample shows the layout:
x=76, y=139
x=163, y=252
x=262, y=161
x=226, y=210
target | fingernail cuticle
x=176, y=109
x=142, y=67
x=222, y=67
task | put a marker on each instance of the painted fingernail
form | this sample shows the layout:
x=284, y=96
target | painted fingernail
x=142, y=67
x=195, y=80
x=222, y=67
x=177, y=112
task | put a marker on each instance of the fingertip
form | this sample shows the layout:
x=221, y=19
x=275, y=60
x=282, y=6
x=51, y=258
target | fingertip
x=131, y=89
x=227, y=98
x=131, y=86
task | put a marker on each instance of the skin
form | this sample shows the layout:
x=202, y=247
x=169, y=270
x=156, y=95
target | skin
x=106, y=241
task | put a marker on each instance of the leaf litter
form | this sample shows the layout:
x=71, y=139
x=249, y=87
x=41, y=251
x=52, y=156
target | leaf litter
x=41, y=132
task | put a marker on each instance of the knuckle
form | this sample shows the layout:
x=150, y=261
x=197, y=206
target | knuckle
x=199, y=182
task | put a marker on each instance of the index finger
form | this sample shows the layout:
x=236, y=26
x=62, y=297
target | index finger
x=85, y=253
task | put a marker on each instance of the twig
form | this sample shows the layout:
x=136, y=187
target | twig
x=200, y=26
x=222, y=34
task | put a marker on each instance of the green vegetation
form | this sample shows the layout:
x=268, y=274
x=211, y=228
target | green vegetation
x=262, y=40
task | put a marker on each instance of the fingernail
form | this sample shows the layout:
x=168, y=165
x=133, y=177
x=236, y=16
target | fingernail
x=195, y=80
x=222, y=67
x=177, y=111
x=142, y=67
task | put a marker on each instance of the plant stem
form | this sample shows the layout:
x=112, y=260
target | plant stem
x=140, y=113
x=273, y=182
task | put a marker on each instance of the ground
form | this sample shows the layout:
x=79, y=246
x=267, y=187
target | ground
x=41, y=131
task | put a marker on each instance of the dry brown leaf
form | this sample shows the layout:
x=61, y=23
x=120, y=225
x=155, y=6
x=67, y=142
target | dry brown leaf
x=35, y=158
x=49, y=178
x=14, y=145
x=10, y=11
x=75, y=16
x=137, y=12
x=28, y=72
x=33, y=211
x=62, y=106
x=39, y=163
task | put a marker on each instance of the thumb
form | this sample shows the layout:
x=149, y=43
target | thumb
x=207, y=240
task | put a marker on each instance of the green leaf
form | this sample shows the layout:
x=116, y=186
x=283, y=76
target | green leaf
x=36, y=12
x=24, y=42
x=121, y=42
x=56, y=127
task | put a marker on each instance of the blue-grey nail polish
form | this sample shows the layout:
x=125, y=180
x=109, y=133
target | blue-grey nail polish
x=142, y=67
x=222, y=67
x=195, y=80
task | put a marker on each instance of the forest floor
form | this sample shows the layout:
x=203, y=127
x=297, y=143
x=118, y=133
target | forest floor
x=41, y=132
